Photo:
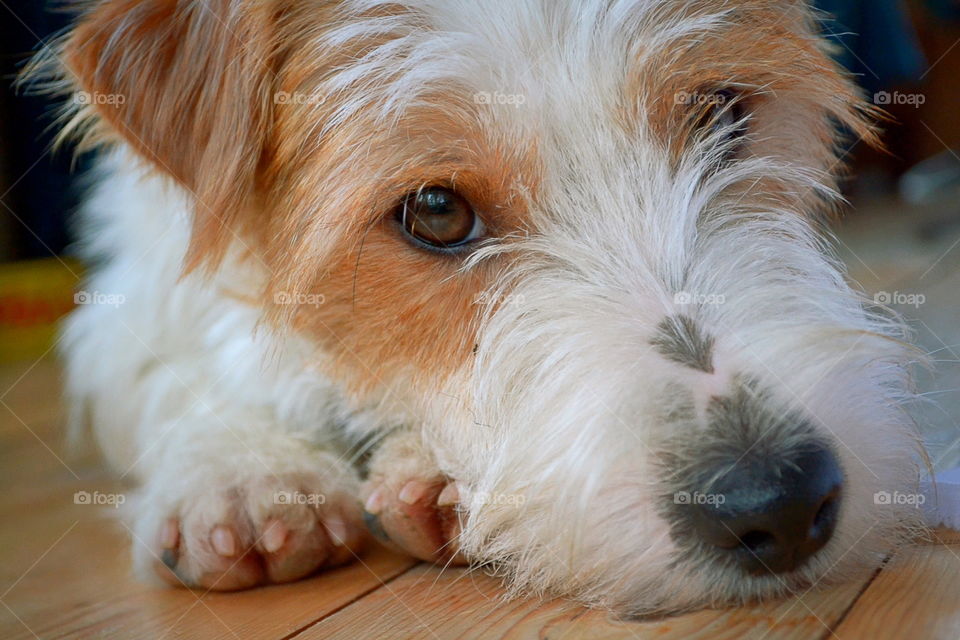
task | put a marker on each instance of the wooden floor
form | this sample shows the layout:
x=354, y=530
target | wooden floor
x=64, y=567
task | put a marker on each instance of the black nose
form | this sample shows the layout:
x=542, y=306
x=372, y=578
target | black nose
x=771, y=515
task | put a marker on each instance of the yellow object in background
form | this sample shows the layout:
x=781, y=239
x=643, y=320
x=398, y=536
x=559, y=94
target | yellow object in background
x=34, y=296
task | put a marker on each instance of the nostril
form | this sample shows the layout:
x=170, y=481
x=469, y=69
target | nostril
x=758, y=541
x=825, y=519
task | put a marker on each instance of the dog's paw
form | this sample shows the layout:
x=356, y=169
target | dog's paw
x=410, y=504
x=268, y=530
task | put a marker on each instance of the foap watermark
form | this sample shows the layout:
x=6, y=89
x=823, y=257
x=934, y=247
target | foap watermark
x=499, y=499
x=699, y=498
x=685, y=298
x=886, y=98
x=888, y=498
x=285, y=97
x=497, y=299
x=95, y=98
x=914, y=300
x=299, y=298
x=299, y=497
x=694, y=98
x=99, y=499
x=98, y=297
x=498, y=97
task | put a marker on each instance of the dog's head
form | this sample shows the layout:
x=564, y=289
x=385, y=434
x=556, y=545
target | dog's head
x=578, y=244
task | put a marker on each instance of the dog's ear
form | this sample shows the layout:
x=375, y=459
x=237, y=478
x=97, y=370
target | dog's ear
x=188, y=85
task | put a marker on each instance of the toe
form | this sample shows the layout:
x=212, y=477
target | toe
x=168, y=553
x=290, y=554
x=219, y=560
x=346, y=532
x=414, y=521
x=332, y=536
x=242, y=572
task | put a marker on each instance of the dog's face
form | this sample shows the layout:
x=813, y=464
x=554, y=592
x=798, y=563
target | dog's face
x=576, y=243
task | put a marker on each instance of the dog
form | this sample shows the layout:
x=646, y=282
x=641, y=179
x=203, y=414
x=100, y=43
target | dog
x=540, y=286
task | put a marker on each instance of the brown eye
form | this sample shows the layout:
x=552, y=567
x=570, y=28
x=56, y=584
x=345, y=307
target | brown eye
x=439, y=217
x=723, y=112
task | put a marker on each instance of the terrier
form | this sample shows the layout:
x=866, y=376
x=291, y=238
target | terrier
x=543, y=286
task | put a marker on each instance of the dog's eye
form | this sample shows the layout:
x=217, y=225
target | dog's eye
x=439, y=217
x=722, y=113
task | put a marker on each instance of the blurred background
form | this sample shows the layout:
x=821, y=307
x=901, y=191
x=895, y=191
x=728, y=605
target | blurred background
x=900, y=239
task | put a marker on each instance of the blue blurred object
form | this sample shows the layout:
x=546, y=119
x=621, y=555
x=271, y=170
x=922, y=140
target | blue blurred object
x=948, y=9
x=41, y=193
x=876, y=40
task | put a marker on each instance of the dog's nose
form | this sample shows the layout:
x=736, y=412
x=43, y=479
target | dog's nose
x=771, y=515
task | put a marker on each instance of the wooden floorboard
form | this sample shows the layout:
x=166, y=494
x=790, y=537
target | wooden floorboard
x=425, y=603
x=917, y=596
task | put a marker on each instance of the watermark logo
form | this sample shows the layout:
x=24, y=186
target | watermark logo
x=96, y=98
x=299, y=298
x=500, y=499
x=99, y=499
x=696, y=98
x=914, y=300
x=886, y=98
x=497, y=299
x=298, y=497
x=685, y=298
x=886, y=498
x=285, y=97
x=96, y=297
x=699, y=498
x=497, y=97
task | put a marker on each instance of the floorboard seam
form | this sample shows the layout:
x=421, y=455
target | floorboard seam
x=846, y=612
x=348, y=603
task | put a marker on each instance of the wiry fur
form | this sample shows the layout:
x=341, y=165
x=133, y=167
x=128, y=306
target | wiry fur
x=606, y=206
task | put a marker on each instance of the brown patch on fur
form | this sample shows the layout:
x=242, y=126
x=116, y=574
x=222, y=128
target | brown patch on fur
x=196, y=83
x=769, y=52
x=392, y=308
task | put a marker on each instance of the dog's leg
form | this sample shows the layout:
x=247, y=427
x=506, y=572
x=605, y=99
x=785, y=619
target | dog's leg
x=226, y=430
x=234, y=502
x=410, y=503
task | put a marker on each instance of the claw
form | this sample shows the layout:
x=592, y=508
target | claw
x=274, y=536
x=449, y=496
x=413, y=491
x=375, y=501
x=224, y=542
x=373, y=526
x=337, y=530
x=169, y=559
x=169, y=534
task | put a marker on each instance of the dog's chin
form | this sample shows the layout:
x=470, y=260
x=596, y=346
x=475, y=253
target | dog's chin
x=635, y=569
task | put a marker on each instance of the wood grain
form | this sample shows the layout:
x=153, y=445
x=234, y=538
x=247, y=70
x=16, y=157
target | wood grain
x=427, y=603
x=65, y=569
x=66, y=573
x=917, y=596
